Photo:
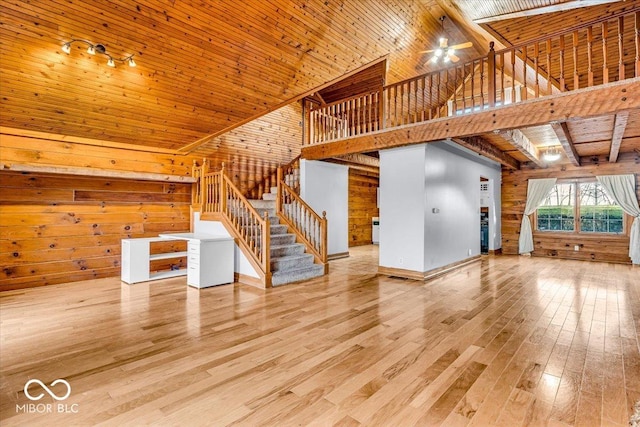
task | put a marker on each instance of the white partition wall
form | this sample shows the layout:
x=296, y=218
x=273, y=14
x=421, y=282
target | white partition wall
x=430, y=206
x=325, y=187
x=402, y=206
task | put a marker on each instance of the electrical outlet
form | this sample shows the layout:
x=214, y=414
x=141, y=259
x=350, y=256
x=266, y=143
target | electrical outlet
x=400, y=260
x=576, y=248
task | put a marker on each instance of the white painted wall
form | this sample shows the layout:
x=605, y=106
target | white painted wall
x=241, y=263
x=430, y=205
x=402, y=206
x=453, y=187
x=325, y=187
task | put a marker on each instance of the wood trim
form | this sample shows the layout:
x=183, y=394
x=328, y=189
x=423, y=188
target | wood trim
x=86, y=141
x=579, y=104
x=102, y=173
x=338, y=255
x=559, y=7
x=400, y=272
x=427, y=275
x=191, y=147
x=248, y=280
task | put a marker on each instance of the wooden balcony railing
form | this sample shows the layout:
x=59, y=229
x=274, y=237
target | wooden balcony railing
x=596, y=53
x=308, y=226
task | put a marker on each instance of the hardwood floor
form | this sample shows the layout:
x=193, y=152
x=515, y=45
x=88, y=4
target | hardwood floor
x=506, y=341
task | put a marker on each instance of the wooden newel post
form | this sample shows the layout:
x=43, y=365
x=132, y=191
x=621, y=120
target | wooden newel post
x=266, y=249
x=222, y=191
x=491, y=71
x=279, y=191
x=323, y=230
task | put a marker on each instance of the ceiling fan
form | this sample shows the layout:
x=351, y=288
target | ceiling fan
x=445, y=52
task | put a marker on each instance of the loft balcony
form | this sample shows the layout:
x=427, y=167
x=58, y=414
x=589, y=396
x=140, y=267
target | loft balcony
x=488, y=103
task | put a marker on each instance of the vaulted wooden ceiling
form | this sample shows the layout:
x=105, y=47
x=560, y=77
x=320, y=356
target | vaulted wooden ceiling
x=206, y=69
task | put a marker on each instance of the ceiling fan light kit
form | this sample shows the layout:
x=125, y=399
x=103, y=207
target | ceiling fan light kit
x=445, y=52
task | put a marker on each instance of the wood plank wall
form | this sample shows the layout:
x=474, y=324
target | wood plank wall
x=362, y=206
x=57, y=228
x=561, y=245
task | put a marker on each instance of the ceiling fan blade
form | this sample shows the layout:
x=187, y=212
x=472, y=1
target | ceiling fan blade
x=453, y=58
x=426, y=51
x=462, y=45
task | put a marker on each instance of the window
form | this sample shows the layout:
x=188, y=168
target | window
x=598, y=212
x=557, y=212
x=581, y=207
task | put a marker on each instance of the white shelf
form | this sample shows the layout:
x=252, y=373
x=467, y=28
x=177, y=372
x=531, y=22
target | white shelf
x=168, y=274
x=209, y=259
x=167, y=255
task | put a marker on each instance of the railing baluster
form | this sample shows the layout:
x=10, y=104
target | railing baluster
x=536, y=65
x=548, y=66
x=525, y=85
x=482, y=83
x=636, y=39
x=561, y=60
x=605, y=53
x=576, y=74
x=589, y=57
x=621, y=48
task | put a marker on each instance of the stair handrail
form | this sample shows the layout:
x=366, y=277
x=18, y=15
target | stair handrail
x=307, y=225
x=220, y=195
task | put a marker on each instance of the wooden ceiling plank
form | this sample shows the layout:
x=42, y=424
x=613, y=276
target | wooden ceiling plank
x=523, y=144
x=558, y=7
x=564, y=136
x=189, y=148
x=590, y=102
x=619, y=127
x=490, y=151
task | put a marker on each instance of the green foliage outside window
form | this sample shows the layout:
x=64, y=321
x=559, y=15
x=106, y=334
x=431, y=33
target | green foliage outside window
x=597, y=212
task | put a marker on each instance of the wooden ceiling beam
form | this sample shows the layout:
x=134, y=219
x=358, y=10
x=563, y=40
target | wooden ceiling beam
x=360, y=159
x=559, y=7
x=581, y=104
x=619, y=127
x=488, y=150
x=519, y=140
x=564, y=136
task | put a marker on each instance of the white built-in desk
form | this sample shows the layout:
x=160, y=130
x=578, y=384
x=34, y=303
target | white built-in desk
x=209, y=259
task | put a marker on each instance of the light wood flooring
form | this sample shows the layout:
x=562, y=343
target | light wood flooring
x=505, y=341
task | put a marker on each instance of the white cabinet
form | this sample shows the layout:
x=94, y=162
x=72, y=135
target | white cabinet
x=135, y=265
x=209, y=262
x=209, y=259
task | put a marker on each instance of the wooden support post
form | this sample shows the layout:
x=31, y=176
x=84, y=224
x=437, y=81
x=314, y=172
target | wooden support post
x=266, y=250
x=325, y=250
x=605, y=67
x=619, y=127
x=621, y=48
x=491, y=71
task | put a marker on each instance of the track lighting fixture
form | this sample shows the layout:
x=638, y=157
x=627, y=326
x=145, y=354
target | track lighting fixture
x=94, y=48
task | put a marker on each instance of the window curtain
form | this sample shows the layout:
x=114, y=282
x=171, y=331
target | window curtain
x=537, y=190
x=622, y=188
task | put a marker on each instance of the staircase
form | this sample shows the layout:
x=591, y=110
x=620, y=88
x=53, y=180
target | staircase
x=289, y=262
